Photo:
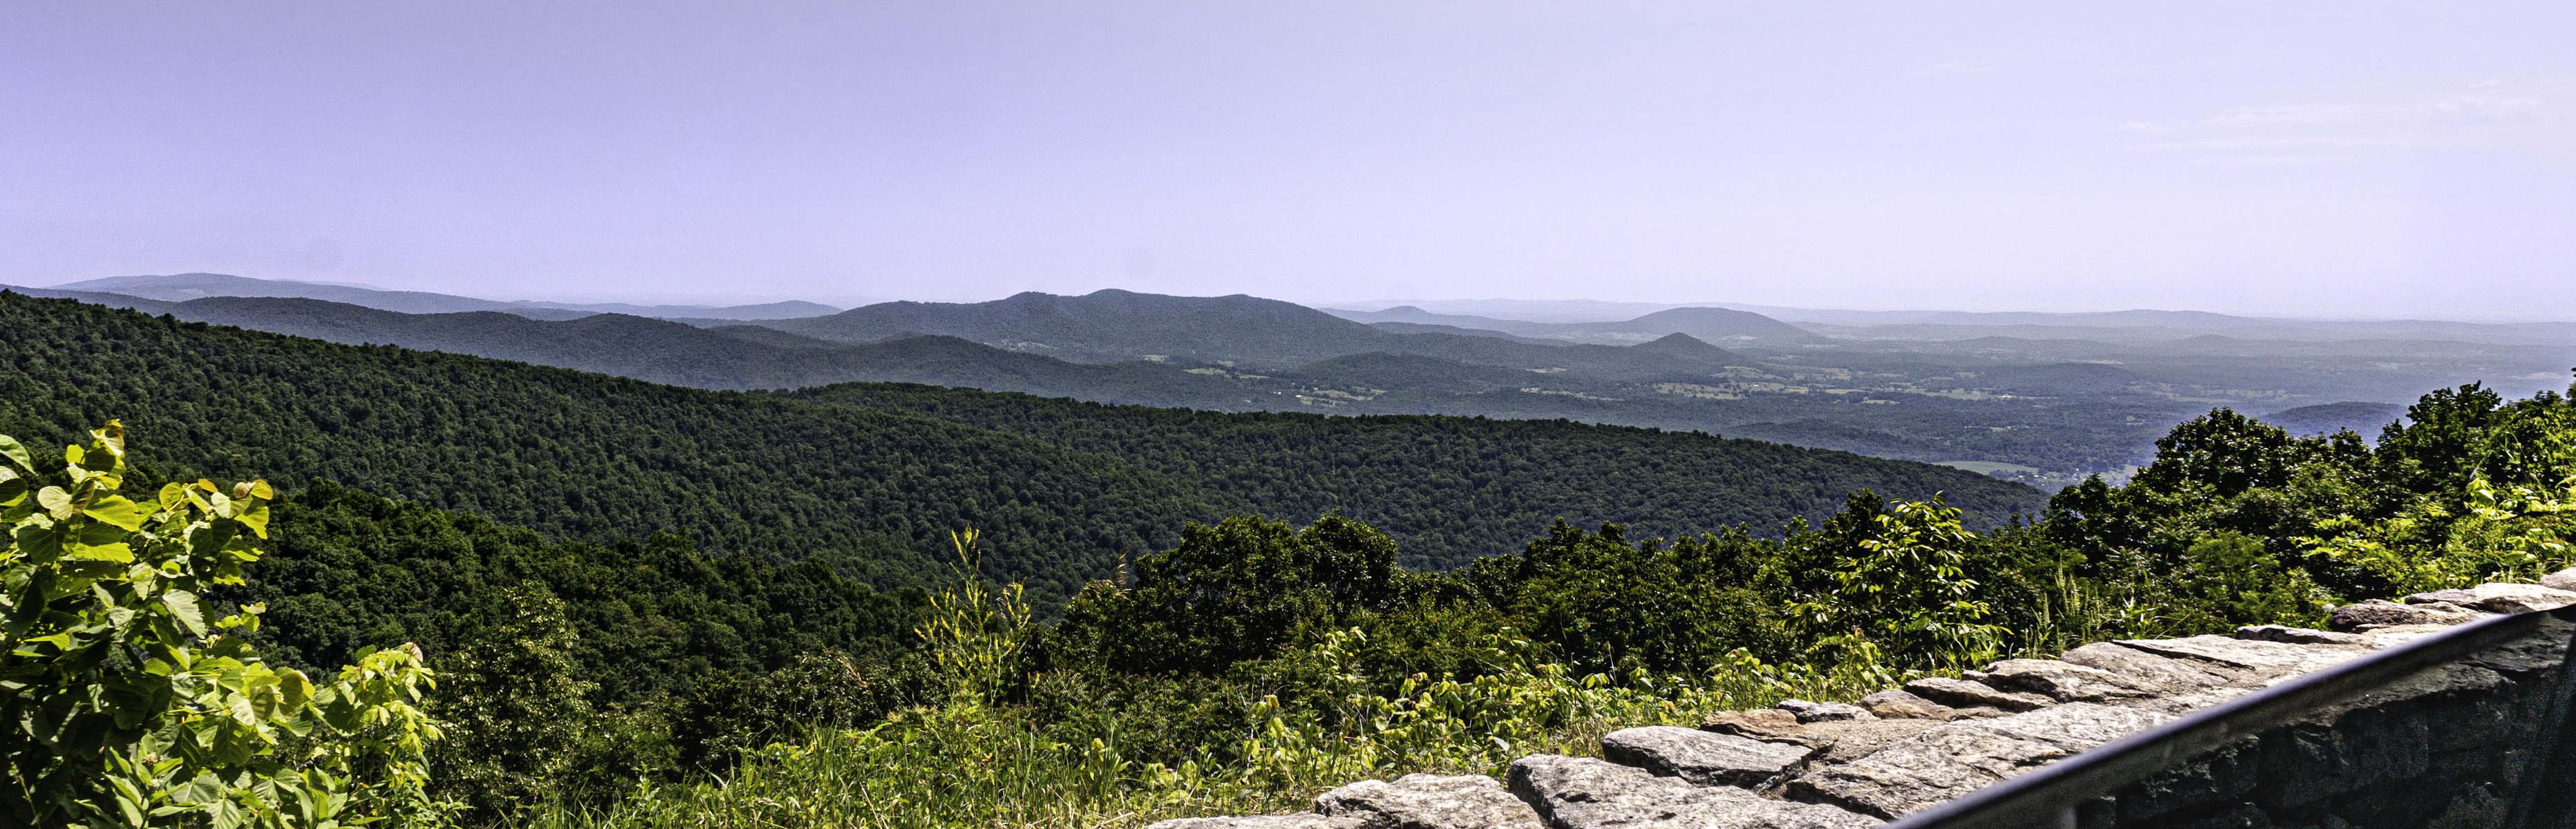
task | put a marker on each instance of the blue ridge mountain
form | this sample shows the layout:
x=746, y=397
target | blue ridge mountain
x=1114, y=325
x=187, y=286
x=1707, y=324
x=2065, y=407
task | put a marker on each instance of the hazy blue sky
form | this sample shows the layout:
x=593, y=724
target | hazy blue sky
x=2327, y=158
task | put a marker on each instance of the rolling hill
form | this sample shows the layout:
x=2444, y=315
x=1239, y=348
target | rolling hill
x=1114, y=326
x=1714, y=325
x=754, y=356
x=868, y=476
x=188, y=286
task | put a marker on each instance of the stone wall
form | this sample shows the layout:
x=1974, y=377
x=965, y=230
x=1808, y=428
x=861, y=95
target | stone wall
x=2445, y=747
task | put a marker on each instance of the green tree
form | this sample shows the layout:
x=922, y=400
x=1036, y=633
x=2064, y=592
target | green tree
x=2227, y=579
x=1900, y=580
x=2433, y=451
x=2225, y=452
x=1241, y=589
x=1604, y=603
x=515, y=703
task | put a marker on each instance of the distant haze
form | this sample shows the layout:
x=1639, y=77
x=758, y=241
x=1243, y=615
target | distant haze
x=2304, y=159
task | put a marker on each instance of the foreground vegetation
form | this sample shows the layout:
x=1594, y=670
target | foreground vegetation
x=1255, y=663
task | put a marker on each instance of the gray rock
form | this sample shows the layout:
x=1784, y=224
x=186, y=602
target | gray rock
x=1843, y=742
x=1899, y=705
x=1584, y=793
x=2170, y=675
x=1769, y=724
x=1960, y=693
x=1704, y=758
x=1809, y=712
x=2066, y=681
x=2561, y=580
x=2298, y=636
x=2186, y=703
x=1960, y=757
x=2499, y=597
x=2378, y=613
x=1308, y=820
x=2266, y=659
x=2393, y=635
x=1425, y=801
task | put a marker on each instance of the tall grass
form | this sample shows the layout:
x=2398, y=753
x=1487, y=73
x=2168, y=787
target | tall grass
x=974, y=762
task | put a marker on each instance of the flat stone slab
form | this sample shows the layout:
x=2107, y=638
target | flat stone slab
x=2393, y=635
x=1901, y=705
x=2066, y=681
x=2380, y=613
x=1704, y=758
x=1960, y=693
x=2174, y=675
x=1960, y=757
x=1843, y=742
x=2298, y=636
x=1769, y=724
x=1426, y=801
x=2270, y=659
x=1810, y=712
x=1305, y=820
x=1584, y=793
x=2499, y=597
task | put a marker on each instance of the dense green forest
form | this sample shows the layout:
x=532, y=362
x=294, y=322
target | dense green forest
x=1298, y=465
x=569, y=671
x=874, y=491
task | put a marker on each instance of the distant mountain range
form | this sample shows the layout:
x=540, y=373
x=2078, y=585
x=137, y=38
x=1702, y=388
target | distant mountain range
x=187, y=286
x=748, y=356
x=1713, y=325
x=2061, y=394
x=1112, y=325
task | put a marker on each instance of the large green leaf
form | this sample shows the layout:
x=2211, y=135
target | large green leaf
x=39, y=543
x=116, y=509
x=185, y=607
x=56, y=501
x=255, y=516
x=16, y=453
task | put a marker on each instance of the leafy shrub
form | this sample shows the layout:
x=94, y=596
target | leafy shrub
x=130, y=707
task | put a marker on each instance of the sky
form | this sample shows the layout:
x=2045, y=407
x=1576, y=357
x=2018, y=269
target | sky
x=2321, y=159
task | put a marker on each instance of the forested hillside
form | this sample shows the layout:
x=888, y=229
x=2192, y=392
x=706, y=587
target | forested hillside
x=1902, y=408
x=1481, y=475
x=1113, y=325
x=590, y=457
x=1712, y=324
